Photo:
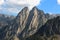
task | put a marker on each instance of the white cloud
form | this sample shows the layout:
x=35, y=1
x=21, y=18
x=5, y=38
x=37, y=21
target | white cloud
x=58, y=1
x=23, y=3
x=1, y=2
x=15, y=5
x=50, y=13
x=13, y=10
x=0, y=8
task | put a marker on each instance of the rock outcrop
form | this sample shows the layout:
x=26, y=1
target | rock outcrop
x=49, y=31
x=24, y=25
x=28, y=25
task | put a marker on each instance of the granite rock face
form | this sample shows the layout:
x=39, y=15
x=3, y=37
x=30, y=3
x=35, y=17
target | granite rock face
x=28, y=25
x=24, y=25
x=29, y=22
x=49, y=31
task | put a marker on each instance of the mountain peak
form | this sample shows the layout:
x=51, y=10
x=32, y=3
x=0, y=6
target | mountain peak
x=34, y=8
x=25, y=8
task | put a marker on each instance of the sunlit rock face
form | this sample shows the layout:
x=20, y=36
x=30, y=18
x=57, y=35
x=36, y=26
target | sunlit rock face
x=37, y=21
x=29, y=22
x=24, y=25
x=21, y=19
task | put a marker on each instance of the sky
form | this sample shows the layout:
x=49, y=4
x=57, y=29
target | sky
x=13, y=7
x=50, y=6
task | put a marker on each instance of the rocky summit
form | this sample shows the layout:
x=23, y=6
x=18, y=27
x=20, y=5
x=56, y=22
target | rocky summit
x=29, y=25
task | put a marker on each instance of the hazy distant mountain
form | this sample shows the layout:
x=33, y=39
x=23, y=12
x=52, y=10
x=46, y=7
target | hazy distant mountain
x=51, y=16
x=5, y=19
x=26, y=24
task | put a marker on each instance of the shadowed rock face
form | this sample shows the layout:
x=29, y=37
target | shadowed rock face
x=48, y=31
x=24, y=25
x=4, y=25
x=28, y=24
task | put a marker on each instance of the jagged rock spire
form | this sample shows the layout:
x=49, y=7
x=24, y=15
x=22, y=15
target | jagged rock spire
x=29, y=22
